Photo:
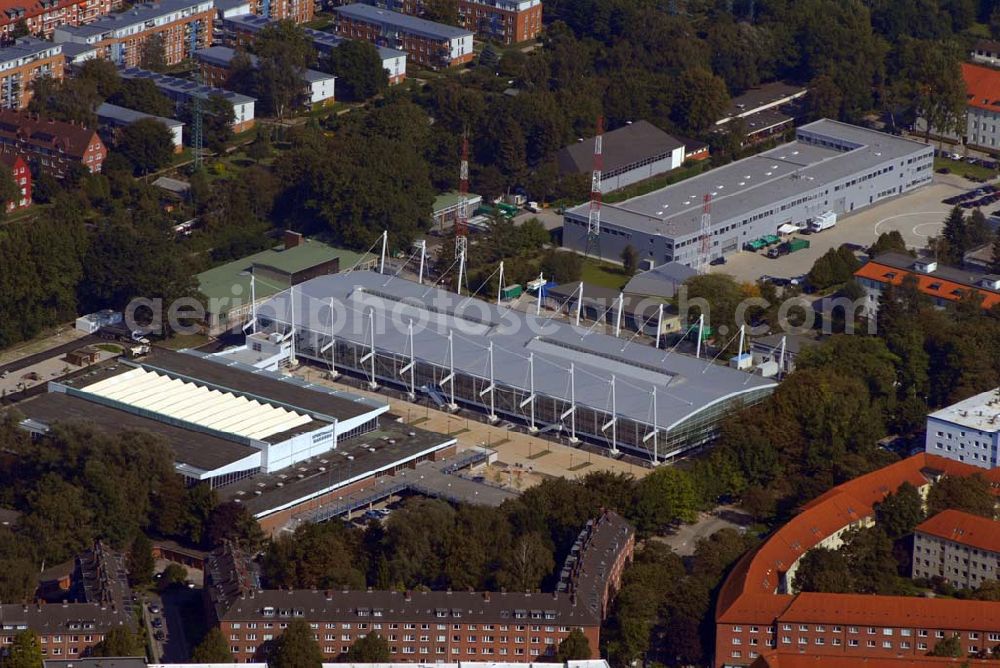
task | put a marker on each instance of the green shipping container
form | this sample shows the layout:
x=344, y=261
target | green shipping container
x=797, y=245
x=511, y=292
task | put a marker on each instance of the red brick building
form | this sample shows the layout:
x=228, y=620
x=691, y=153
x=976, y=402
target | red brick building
x=506, y=21
x=23, y=62
x=21, y=173
x=426, y=43
x=300, y=11
x=53, y=145
x=428, y=626
x=120, y=38
x=757, y=610
x=69, y=630
x=43, y=16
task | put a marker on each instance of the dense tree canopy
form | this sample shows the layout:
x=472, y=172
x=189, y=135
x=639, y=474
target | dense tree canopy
x=359, y=70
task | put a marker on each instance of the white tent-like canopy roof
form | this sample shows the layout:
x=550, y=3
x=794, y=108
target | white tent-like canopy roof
x=195, y=404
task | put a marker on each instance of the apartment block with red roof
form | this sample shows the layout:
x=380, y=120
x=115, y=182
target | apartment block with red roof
x=960, y=547
x=53, y=145
x=982, y=111
x=42, y=17
x=943, y=284
x=21, y=173
x=758, y=610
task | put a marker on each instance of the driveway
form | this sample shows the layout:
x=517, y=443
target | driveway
x=917, y=216
x=181, y=606
x=683, y=542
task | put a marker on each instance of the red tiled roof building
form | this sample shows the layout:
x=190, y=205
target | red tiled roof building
x=53, y=145
x=758, y=611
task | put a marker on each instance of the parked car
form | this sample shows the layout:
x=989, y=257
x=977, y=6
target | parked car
x=157, y=623
x=154, y=608
x=717, y=261
x=159, y=635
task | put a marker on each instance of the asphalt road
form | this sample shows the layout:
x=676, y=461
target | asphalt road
x=58, y=351
x=684, y=540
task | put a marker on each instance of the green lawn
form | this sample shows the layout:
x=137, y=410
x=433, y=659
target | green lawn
x=657, y=182
x=604, y=274
x=964, y=169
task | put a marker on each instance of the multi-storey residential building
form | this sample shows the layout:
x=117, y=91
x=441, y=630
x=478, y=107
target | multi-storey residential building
x=52, y=145
x=42, y=17
x=300, y=11
x=240, y=31
x=216, y=62
x=960, y=547
x=967, y=431
x=428, y=626
x=759, y=611
x=70, y=629
x=427, y=43
x=66, y=630
x=506, y=21
x=113, y=118
x=943, y=284
x=181, y=24
x=182, y=91
x=21, y=173
x=21, y=63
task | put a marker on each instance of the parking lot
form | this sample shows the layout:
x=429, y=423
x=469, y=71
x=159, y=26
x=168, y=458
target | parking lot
x=916, y=215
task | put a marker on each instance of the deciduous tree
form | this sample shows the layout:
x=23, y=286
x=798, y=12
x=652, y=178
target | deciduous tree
x=574, y=647
x=296, y=648
x=359, y=70
x=213, y=648
x=373, y=648
x=147, y=144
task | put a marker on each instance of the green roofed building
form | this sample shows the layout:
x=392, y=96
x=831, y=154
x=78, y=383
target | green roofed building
x=446, y=207
x=227, y=288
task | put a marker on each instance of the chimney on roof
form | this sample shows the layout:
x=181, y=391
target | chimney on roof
x=486, y=596
x=407, y=596
x=292, y=239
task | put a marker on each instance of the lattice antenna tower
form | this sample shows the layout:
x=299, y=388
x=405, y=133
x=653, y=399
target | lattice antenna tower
x=705, y=238
x=462, y=217
x=594, y=216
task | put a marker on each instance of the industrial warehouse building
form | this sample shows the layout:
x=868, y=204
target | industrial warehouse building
x=631, y=153
x=830, y=166
x=552, y=375
x=274, y=443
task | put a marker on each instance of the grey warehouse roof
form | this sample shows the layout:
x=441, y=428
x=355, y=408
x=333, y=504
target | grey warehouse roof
x=125, y=115
x=620, y=148
x=183, y=87
x=685, y=385
x=754, y=183
x=410, y=24
x=661, y=281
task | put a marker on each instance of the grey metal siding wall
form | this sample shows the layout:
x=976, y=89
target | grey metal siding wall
x=636, y=174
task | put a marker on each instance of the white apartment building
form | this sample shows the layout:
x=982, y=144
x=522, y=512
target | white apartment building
x=968, y=431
